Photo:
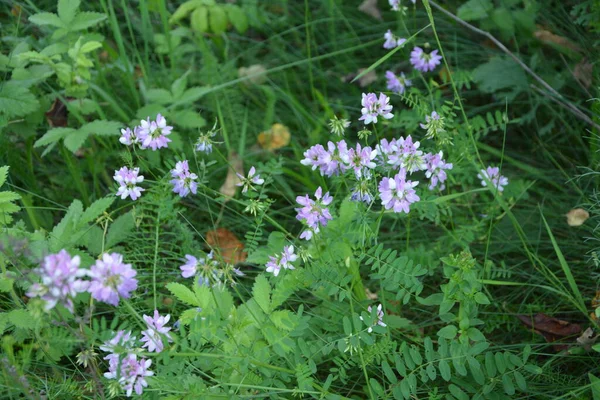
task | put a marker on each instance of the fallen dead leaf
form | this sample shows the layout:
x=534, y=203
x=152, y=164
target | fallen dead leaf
x=256, y=73
x=371, y=295
x=227, y=245
x=364, y=80
x=275, y=138
x=551, y=329
x=58, y=114
x=583, y=72
x=587, y=339
x=369, y=7
x=236, y=166
x=550, y=38
x=577, y=216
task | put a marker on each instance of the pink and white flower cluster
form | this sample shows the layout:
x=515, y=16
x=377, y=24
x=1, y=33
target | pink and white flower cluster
x=123, y=363
x=61, y=279
x=283, y=260
x=149, y=134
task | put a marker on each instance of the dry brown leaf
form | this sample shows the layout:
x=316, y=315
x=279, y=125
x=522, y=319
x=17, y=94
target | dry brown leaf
x=364, y=80
x=275, y=138
x=236, y=166
x=577, y=216
x=550, y=328
x=587, y=339
x=371, y=295
x=369, y=7
x=583, y=72
x=257, y=74
x=548, y=37
x=58, y=114
x=227, y=245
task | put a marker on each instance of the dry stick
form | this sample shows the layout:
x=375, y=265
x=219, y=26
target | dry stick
x=557, y=96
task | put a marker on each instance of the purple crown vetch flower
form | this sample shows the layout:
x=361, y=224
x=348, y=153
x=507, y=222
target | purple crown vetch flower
x=183, y=180
x=331, y=161
x=131, y=374
x=59, y=275
x=435, y=170
x=153, y=134
x=205, y=268
x=247, y=183
x=313, y=212
x=374, y=107
x=379, y=317
x=493, y=175
x=112, y=279
x=128, y=180
x=397, y=84
x=397, y=193
x=392, y=41
x=424, y=62
x=361, y=160
x=129, y=137
x=152, y=337
x=283, y=260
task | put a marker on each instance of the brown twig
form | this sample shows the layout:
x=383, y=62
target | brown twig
x=553, y=94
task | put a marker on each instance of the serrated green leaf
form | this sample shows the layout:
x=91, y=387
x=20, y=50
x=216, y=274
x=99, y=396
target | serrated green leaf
x=75, y=140
x=16, y=100
x=183, y=293
x=159, y=96
x=53, y=136
x=96, y=209
x=3, y=174
x=119, y=229
x=47, y=18
x=90, y=46
x=499, y=73
x=102, y=128
x=188, y=119
x=6, y=284
x=184, y=10
x=67, y=10
x=85, y=20
x=284, y=320
x=21, y=319
x=475, y=9
x=6, y=197
x=261, y=292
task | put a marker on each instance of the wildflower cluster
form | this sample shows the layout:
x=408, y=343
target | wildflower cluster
x=208, y=271
x=492, y=174
x=183, y=180
x=60, y=276
x=124, y=366
x=283, y=260
x=313, y=212
x=149, y=134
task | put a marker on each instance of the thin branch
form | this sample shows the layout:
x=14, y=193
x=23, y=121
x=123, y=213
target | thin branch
x=557, y=97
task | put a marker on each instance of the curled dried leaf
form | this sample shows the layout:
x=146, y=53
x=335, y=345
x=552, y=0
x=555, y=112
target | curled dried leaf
x=364, y=80
x=369, y=7
x=256, y=74
x=236, y=166
x=275, y=138
x=227, y=245
x=587, y=339
x=550, y=38
x=550, y=328
x=577, y=216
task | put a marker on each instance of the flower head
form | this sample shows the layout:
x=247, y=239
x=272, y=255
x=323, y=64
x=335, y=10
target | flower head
x=361, y=160
x=156, y=327
x=374, y=107
x=434, y=124
x=153, y=134
x=338, y=126
x=397, y=84
x=128, y=180
x=424, y=62
x=205, y=141
x=392, y=41
x=112, y=279
x=131, y=374
x=59, y=275
x=205, y=268
x=492, y=174
x=313, y=212
x=361, y=192
x=283, y=260
x=435, y=170
x=330, y=161
x=183, y=180
x=397, y=193
x=129, y=137
x=252, y=179
x=379, y=317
